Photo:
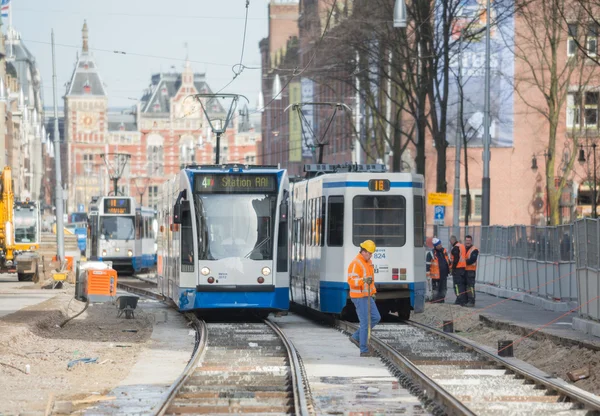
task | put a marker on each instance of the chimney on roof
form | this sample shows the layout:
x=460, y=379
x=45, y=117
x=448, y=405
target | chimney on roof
x=84, y=31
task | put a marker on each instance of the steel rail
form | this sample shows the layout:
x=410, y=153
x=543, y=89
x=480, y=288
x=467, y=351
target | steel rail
x=301, y=405
x=589, y=402
x=451, y=404
x=201, y=342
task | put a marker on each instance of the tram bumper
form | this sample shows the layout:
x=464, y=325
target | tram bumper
x=413, y=290
x=267, y=297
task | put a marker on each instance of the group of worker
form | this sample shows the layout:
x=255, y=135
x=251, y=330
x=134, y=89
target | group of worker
x=461, y=264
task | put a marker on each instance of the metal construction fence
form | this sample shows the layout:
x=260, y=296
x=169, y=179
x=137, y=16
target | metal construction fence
x=559, y=263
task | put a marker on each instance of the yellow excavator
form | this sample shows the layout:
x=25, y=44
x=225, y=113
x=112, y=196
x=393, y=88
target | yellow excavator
x=19, y=232
x=7, y=234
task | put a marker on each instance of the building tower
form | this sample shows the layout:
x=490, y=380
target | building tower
x=86, y=128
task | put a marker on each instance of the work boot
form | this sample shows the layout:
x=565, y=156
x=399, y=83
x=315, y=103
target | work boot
x=470, y=305
x=368, y=354
x=355, y=342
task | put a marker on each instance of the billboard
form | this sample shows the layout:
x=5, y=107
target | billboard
x=470, y=52
x=295, y=149
x=308, y=90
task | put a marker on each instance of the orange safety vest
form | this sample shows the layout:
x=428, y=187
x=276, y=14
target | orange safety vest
x=462, y=260
x=358, y=270
x=434, y=270
x=472, y=267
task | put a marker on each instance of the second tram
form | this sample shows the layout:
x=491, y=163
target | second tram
x=122, y=233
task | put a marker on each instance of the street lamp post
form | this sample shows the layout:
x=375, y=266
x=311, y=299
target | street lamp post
x=582, y=160
x=547, y=155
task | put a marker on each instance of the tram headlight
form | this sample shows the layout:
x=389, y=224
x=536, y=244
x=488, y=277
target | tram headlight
x=266, y=271
x=117, y=249
x=210, y=280
x=205, y=271
x=103, y=253
x=130, y=253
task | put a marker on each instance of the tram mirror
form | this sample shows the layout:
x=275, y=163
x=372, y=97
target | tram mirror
x=177, y=213
x=162, y=228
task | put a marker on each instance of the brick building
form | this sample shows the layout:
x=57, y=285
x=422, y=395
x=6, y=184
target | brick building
x=518, y=191
x=163, y=132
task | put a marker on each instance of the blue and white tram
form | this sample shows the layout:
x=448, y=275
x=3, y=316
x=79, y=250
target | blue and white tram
x=333, y=212
x=223, y=240
x=123, y=233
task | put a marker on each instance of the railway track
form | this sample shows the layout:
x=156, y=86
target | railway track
x=246, y=367
x=467, y=380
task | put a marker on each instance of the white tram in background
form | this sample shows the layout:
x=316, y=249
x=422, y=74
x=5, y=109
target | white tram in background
x=123, y=233
x=337, y=209
x=223, y=240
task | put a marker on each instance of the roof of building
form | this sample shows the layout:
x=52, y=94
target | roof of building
x=21, y=63
x=86, y=79
x=164, y=86
x=122, y=122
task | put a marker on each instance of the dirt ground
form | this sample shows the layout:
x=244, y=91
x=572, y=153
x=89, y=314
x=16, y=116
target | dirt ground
x=554, y=359
x=32, y=337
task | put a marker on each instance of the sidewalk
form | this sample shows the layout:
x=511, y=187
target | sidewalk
x=15, y=295
x=524, y=318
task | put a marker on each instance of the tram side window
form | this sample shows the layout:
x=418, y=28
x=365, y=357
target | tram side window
x=138, y=226
x=419, y=208
x=187, y=236
x=335, y=221
x=282, y=248
x=379, y=218
x=322, y=223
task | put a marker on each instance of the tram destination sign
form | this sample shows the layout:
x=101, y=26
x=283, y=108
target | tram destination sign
x=118, y=206
x=208, y=183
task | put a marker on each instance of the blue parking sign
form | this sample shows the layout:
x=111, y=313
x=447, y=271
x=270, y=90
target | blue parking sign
x=439, y=214
x=80, y=208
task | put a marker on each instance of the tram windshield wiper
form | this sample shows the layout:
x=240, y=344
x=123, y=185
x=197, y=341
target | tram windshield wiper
x=262, y=243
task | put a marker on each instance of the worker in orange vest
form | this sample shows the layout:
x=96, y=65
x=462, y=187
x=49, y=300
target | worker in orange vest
x=362, y=293
x=457, y=269
x=471, y=270
x=439, y=270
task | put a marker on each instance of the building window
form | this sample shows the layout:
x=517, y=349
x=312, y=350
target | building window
x=475, y=211
x=572, y=40
x=573, y=109
x=592, y=39
x=591, y=109
x=155, y=158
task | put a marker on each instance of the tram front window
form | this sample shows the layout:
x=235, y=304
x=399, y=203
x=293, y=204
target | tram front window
x=25, y=225
x=117, y=228
x=235, y=226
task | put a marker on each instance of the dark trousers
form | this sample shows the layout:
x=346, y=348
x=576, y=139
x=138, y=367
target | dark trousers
x=460, y=286
x=470, y=280
x=439, y=288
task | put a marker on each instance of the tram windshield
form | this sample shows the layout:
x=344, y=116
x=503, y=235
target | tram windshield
x=117, y=228
x=235, y=226
x=25, y=225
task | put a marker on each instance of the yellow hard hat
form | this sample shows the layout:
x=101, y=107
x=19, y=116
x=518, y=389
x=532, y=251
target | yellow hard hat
x=368, y=245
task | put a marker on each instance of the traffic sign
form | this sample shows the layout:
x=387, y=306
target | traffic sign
x=440, y=199
x=439, y=213
x=80, y=207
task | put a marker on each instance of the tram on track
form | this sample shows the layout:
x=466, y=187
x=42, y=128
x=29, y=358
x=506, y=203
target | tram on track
x=223, y=238
x=337, y=209
x=123, y=233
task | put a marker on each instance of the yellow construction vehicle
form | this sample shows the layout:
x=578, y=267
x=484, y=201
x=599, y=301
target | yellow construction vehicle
x=19, y=232
x=7, y=236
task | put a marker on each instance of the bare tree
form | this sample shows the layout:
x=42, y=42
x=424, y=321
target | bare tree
x=552, y=74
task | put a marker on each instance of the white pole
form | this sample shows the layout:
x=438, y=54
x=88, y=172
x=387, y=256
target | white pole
x=485, y=203
x=60, y=238
x=357, y=149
